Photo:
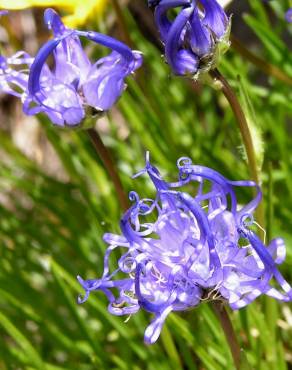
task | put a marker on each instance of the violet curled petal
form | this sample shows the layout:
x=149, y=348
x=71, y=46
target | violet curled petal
x=160, y=185
x=215, y=17
x=203, y=224
x=268, y=260
x=72, y=65
x=132, y=237
x=109, y=42
x=121, y=311
x=114, y=239
x=155, y=177
x=104, y=90
x=187, y=62
x=272, y=292
x=277, y=250
x=213, y=176
x=9, y=82
x=259, y=247
x=19, y=58
x=227, y=185
x=138, y=61
x=54, y=22
x=200, y=216
x=60, y=98
x=82, y=283
x=252, y=205
x=173, y=41
x=143, y=302
x=160, y=15
x=224, y=228
x=13, y=81
x=252, y=289
x=201, y=42
x=107, y=254
x=73, y=116
x=87, y=289
x=153, y=330
x=37, y=65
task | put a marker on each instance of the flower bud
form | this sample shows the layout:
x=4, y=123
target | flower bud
x=196, y=38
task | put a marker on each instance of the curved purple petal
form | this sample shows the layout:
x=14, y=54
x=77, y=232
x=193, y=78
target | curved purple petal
x=215, y=17
x=53, y=22
x=173, y=44
x=38, y=64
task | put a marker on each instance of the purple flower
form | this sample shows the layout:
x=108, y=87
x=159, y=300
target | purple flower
x=199, y=247
x=64, y=92
x=288, y=15
x=196, y=37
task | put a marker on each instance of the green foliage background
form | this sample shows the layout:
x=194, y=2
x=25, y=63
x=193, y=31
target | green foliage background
x=51, y=230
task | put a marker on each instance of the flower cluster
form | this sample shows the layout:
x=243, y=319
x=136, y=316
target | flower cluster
x=74, y=83
x=199, y=247
x=196, y=37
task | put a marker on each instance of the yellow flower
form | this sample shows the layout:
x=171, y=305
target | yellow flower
x=79, y=10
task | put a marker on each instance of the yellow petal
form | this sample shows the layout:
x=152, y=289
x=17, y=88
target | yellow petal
x=79, y=10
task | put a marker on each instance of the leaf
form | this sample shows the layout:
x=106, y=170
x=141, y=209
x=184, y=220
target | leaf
x=28, y=348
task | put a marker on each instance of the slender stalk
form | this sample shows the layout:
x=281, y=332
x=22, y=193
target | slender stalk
x=106, y=158
x=265, y=66
x=242, y=123
x=270, y=208
x=245, y=134
x=228, y=332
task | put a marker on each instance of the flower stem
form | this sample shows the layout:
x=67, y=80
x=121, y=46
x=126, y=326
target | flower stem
x=245, y=134
x=106, y=158
x=265, y=66
x=242, y=123
x=229, y=332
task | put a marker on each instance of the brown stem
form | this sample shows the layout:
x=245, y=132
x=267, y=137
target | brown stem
x=241, y=121
x=228, y=332
x=245, y=134
x=266, y=67
x=106, y=158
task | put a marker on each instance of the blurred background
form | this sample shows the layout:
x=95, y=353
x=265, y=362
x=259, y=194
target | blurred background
x=56, y=199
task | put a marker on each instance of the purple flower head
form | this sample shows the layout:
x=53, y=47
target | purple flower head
x=197, y=35
x=181, y=249
x=64, y=92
